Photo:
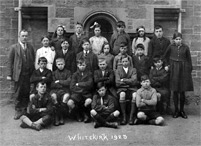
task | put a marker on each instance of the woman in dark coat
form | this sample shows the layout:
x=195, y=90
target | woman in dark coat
x=179, y=59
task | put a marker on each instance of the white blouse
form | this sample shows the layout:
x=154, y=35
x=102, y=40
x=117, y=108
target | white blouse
x=48, y=53
x=97, y=43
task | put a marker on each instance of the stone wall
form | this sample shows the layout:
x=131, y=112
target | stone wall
x=191, y=30
x=66, y=12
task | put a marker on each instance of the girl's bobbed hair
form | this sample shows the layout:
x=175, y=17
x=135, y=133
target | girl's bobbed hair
x=177, y=34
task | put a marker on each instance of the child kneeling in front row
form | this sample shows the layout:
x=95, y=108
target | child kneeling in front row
x=146, y=100
x=103, y=108
x=39, y=113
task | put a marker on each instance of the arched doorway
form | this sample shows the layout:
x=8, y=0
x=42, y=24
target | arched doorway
x=105, y=19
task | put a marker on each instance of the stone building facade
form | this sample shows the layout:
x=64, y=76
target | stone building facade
x=42, y=16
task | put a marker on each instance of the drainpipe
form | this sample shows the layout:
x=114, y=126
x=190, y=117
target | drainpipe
x=18, y=9
x=180, y=15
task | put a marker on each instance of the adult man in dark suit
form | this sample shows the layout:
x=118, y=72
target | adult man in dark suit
x=20, y=67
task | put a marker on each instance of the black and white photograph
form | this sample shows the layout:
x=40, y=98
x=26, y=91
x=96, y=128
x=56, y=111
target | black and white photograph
x=100, y=72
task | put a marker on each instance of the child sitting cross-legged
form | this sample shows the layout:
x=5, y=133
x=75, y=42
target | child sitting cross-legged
x=146, y=100
x=103, y=108
x=39, y=113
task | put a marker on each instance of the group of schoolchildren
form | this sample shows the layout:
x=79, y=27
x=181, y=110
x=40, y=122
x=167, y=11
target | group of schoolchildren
x=108, y=82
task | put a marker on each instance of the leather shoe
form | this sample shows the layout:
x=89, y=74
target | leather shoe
x=97, y=125
x=183, y=114
x=17, y=115
x=131, y=121
x=123, y=122
x=176, y=114
x=56, y=120
x=111, y=125
x=61, y=121
x=24, y=125
x=78, y=117
x=36, y=127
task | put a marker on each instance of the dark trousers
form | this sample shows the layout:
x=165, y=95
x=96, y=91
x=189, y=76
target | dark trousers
x=21, y=92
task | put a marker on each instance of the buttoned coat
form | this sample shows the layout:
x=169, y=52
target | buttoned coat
x=76, y=42
x=108, y=79
x=179, y=59
x=130, y=79
x=85, y=81
x=15, y=60
x=141, y=65
x=117, y=39
x=157, y=47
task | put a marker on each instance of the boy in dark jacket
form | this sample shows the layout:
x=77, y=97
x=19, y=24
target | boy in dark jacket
x=106, y=75
x=90, y=58
x=120, y=37
x=42, y=74
x=126, y=83
x=159, y=80
x=60, y=90
x=158, y=44
x=68, y=54
x=39, y=110
x=81, y=88
x=140, y=62
x=103, y=108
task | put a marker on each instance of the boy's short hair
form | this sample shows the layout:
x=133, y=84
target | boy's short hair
x=121, y=23
x=158, y=27
x=79, y=23
x=64, y=40
x=23, y=30
x=100, y=85
x=81, y=61
x=60, y=60
x=140, y=46
x=157, y=58
x=125, y=56
x=144, y=78
x=42, y=59
x=42, y=83
x=123, y=44
x=100, y=60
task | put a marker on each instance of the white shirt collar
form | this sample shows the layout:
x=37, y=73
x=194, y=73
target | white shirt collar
x=41, y=70
x=86, y=51
x=65, y=51
x=159, y=68
x=125, y=69
x=23, y=45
